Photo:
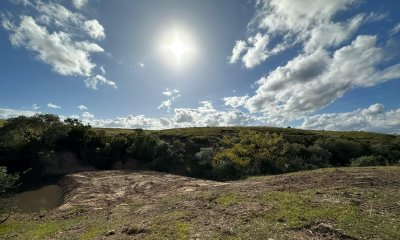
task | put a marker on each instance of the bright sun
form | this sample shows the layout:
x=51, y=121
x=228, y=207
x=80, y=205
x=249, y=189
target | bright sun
x=178, y=48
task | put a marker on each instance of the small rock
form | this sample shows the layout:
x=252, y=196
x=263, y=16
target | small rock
x=131, y=230
x=111, y=232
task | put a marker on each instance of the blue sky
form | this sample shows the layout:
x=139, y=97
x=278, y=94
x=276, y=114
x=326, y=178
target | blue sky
x=163, y=64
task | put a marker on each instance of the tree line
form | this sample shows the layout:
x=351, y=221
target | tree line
x=44, y=145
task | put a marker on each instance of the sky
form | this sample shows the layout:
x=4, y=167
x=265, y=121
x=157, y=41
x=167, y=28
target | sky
x=310, y=64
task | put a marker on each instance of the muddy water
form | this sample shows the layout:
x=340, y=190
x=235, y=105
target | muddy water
x=44, y=198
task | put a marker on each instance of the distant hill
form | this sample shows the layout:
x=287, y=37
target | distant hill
x=211, y=134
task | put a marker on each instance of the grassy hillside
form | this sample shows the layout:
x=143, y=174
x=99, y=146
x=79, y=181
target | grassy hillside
x=214, y=133
x=335, y=203
x=2, y=122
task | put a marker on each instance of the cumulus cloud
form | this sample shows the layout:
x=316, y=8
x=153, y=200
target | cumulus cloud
x=165, y=104
x=52, y=105
x=207, y=115
x=235, y=102
x=82, y=107
x=6, y=113
x=309, y=23
x=93, y=82
x=204, y=115
x=51, y=32
x=94, y=29
x=79, y=3
x=131, y=121
x=56, y=49
x=56, y=14
x=173, y=95
x=87, y=116
x=168, y=92
x=311, y=81
x=257, y=52
x=237, y=51
x=332, y=34
x=373, y=118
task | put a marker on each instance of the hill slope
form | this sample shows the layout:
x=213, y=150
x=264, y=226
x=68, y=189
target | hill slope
x=342, y=203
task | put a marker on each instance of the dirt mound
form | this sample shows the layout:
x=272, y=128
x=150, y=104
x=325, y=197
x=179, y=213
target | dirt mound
x=345, y=203
x=102, y=188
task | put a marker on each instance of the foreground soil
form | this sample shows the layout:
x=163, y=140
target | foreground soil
x=343, y=203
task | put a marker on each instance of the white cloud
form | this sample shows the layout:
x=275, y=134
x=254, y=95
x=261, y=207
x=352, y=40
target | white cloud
x=82, y=107
x=87, y=116
x=52, y=33
x=56, y=49
x=237, y=51
x=308, y=22
x=6, y=113
x=376, y=16
x=35, y=106
x=129, y=122
x=395, y=29
x=204, y=115
x=92, y=82
x=168, y=92
x=332, y=34
x=79, y=3
x=165, y=104
x=61, y=17
x=102, y=70
x=52, y=105
x=207, y=115
x=94, y=29
x=173, y=95
x=312, y=81
x=257, y=52
x=58, y=15
x=373, y=118
x=236, y=102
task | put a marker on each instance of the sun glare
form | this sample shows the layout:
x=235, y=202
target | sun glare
x=178, y=48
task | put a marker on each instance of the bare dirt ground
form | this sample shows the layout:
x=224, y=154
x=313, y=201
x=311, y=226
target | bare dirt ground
x=345, y=203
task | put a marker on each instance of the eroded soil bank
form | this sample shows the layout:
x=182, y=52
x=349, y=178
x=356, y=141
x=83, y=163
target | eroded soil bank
x=345, y=203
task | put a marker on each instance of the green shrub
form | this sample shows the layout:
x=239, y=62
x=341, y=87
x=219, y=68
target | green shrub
x=365, y=161
x=7, y=181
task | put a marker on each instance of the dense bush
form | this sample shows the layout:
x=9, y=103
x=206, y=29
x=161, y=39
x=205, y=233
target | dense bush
x=46, y=145
x=365, y=161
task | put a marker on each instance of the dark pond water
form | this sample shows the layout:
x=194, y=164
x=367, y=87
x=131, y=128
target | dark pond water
x=43, y=198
